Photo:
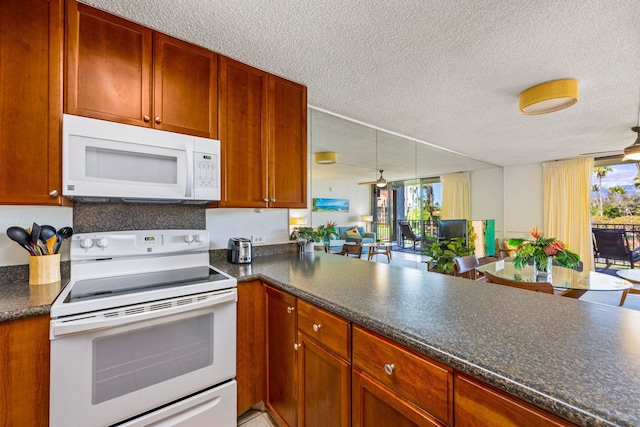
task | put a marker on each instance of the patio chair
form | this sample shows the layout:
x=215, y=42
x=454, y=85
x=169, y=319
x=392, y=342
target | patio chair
x=612, y=244
x=408, y=234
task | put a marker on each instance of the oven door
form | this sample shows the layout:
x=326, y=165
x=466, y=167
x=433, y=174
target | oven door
x=112, y=365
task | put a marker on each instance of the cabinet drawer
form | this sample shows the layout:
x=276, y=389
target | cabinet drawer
x=328, y=329
x=425, y=382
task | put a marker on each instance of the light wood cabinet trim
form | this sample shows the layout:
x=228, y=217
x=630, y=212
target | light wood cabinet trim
x=333, y=331
x=478, y=404
x=424, y=381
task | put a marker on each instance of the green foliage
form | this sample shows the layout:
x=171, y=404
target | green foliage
x=540, y=249
x=305, y=233
x=609, y=211
x=623, y=220
x=442, y=254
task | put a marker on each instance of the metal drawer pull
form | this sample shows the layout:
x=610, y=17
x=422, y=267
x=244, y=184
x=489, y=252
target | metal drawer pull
x=389, y=368
x=296, y=347
x=158, y=121
x=316, y=328
x=146, y=118
x=290, y=309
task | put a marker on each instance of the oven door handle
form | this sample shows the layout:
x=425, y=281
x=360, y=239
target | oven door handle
x=61, y=327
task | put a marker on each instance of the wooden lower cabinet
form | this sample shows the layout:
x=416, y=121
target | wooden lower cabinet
x=324, y=386
x=24, y=372
x=478, y=404
x=281, y=356
x=375, y=405
x=251, y=345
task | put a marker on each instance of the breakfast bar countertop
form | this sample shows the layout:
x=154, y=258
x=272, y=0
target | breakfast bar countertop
x=576, y=359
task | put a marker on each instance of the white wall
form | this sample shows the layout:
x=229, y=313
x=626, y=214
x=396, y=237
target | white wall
x=359, y=202
x=24, y=216
x=272, y=224
x=523, y=198
x=487, y=197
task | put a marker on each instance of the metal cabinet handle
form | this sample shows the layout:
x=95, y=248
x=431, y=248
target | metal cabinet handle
x=158, y=121
x=389, y=368
x=296, y=347
x=266, y=200
x=53, y=193
x=273, y=200
x=290, y=309
x=146, y=118
x=316, y=327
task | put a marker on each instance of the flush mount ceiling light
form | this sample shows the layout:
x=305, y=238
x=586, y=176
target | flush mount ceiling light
x=632, y=152
x=549, y=96
x=326, y=158
x=381, y=182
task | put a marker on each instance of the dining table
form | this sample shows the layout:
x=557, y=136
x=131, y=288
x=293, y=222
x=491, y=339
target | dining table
x=576, y=283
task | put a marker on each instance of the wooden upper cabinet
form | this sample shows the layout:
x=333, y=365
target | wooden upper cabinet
x=263, y=134
x=243, y=134
x=108, y=66
x=120, y=71
x=31, y=44
x=287, y=144
x=185, y=79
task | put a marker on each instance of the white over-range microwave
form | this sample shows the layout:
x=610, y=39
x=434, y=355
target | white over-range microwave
x=112, y=162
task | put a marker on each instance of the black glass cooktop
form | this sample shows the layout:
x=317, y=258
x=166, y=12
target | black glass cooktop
x=103, y=287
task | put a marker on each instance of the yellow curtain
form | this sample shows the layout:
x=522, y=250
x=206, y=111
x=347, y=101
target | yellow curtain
x=567, y=217
x=456, y=196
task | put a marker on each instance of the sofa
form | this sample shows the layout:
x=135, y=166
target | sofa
x=344, y=235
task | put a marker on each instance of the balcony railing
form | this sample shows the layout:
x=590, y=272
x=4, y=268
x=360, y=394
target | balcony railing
x=425, y=228
x=633, y=238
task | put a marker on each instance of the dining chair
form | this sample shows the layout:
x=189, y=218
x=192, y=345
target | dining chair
x=351, y=250
x=544, y=287
x=465, y=266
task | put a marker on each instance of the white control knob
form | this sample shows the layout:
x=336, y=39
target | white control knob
x=199, y=238
x=188, y=238
x=103, y=242
x=86, y=243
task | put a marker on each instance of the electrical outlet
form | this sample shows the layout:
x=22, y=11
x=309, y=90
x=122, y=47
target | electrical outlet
x=258, y=239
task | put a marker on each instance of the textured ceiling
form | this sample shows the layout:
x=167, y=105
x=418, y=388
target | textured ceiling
x=444, y=72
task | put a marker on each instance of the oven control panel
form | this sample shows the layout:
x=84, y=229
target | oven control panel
x=117, y=244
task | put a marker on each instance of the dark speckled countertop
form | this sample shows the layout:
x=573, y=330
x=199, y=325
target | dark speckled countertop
x=576, y=359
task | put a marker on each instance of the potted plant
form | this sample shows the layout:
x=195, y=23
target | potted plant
x=443, y=252
x=541, y=251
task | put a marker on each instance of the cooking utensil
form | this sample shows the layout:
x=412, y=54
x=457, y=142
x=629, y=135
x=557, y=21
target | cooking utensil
x=35, y=236
x=20, y=235
x=63, y=234
x=47, y=234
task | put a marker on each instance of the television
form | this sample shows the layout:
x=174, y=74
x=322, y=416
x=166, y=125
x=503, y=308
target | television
x=452, y=228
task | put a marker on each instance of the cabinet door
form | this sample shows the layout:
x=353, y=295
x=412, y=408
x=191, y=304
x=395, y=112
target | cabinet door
x=281, y=356
x=24, y=363
x=108, y=67
x=185, y=80
x=30, y=101
x=287, y=144
x=243, y=134
x=250, y=351
x=478, y=404
x=324, y=386
x=375, y=405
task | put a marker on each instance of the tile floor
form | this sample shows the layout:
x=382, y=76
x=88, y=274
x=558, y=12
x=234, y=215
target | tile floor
x=253, y=418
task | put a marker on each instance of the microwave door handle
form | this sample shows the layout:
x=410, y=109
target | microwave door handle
x=59, y=329
x=189, y=190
